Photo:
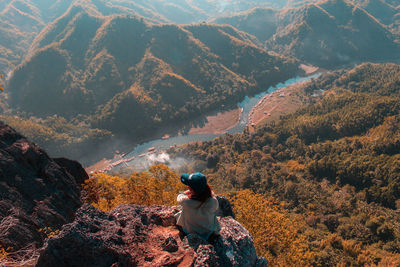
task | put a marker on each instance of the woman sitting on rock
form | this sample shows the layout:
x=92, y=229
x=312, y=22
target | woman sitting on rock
x=199, y=207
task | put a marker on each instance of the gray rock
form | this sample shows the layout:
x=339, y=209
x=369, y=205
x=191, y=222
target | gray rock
x=35, y=192
x=74, y=168
x=134, y=235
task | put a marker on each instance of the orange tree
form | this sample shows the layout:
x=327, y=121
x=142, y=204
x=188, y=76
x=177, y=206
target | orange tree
x=277, y=234
x=158, y=186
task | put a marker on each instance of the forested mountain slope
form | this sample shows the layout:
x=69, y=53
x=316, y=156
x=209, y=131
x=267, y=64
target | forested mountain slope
x=261, y=22
x=328, y=34
x=130, y=76
x=386, y=11
x=335, y=162
x=22, y=20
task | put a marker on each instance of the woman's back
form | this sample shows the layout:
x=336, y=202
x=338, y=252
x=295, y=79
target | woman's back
x=199, y=206
x=198, y=217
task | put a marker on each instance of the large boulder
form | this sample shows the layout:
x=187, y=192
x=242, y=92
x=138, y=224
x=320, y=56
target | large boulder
x=74, y=168
x=134, y=235
x=37, y=196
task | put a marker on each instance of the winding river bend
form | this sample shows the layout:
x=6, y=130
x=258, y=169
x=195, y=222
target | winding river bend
x=147, y=153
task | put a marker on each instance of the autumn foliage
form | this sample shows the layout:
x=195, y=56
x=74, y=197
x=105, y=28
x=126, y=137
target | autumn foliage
x=158, y=186
x=277, y=234
x=319, y=187
x=335, y=163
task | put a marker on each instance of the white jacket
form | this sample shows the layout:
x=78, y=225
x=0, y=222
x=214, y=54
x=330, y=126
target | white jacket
x=196, y=217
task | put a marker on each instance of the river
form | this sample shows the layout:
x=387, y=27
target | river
x=141, y=158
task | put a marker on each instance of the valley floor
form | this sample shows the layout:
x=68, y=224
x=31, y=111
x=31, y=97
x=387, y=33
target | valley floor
x=269, y=108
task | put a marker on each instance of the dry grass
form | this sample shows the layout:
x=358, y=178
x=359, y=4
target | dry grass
x=26, y=257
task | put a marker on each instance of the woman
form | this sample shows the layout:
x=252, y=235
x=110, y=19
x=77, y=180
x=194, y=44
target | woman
x=198, y=207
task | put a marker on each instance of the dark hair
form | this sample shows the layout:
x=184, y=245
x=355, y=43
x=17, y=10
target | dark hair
x=207, y=193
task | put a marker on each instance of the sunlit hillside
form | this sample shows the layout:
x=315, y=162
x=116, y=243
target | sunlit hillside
x=22, y=20
x=326, y=177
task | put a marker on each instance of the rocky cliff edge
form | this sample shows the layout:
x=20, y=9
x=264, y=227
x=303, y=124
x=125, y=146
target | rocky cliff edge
x=37, y=195
x=133, y=235
x=43, y=222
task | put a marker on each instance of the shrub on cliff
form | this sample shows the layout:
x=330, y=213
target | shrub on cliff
x=158, y=186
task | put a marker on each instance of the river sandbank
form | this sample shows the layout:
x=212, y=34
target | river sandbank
x=279, y=103
x=219, y=123
x=309, y=69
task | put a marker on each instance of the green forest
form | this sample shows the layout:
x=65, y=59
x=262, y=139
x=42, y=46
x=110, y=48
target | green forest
x=101, y=75
x=318, y=187
x=336, y=163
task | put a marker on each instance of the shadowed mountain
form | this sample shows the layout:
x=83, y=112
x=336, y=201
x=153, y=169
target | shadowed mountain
x=3, y=4
x=131, y=76
x=260, y=22
x=384, y=11
x=328, y=34
x=17, y=28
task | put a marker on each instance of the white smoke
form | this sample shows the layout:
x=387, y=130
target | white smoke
x=160, y=158
x=144, y=163
x=164, y=158
x=342, y=57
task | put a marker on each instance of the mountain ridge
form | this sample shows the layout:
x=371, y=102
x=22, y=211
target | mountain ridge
x=328, y=33
x=188, y=53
